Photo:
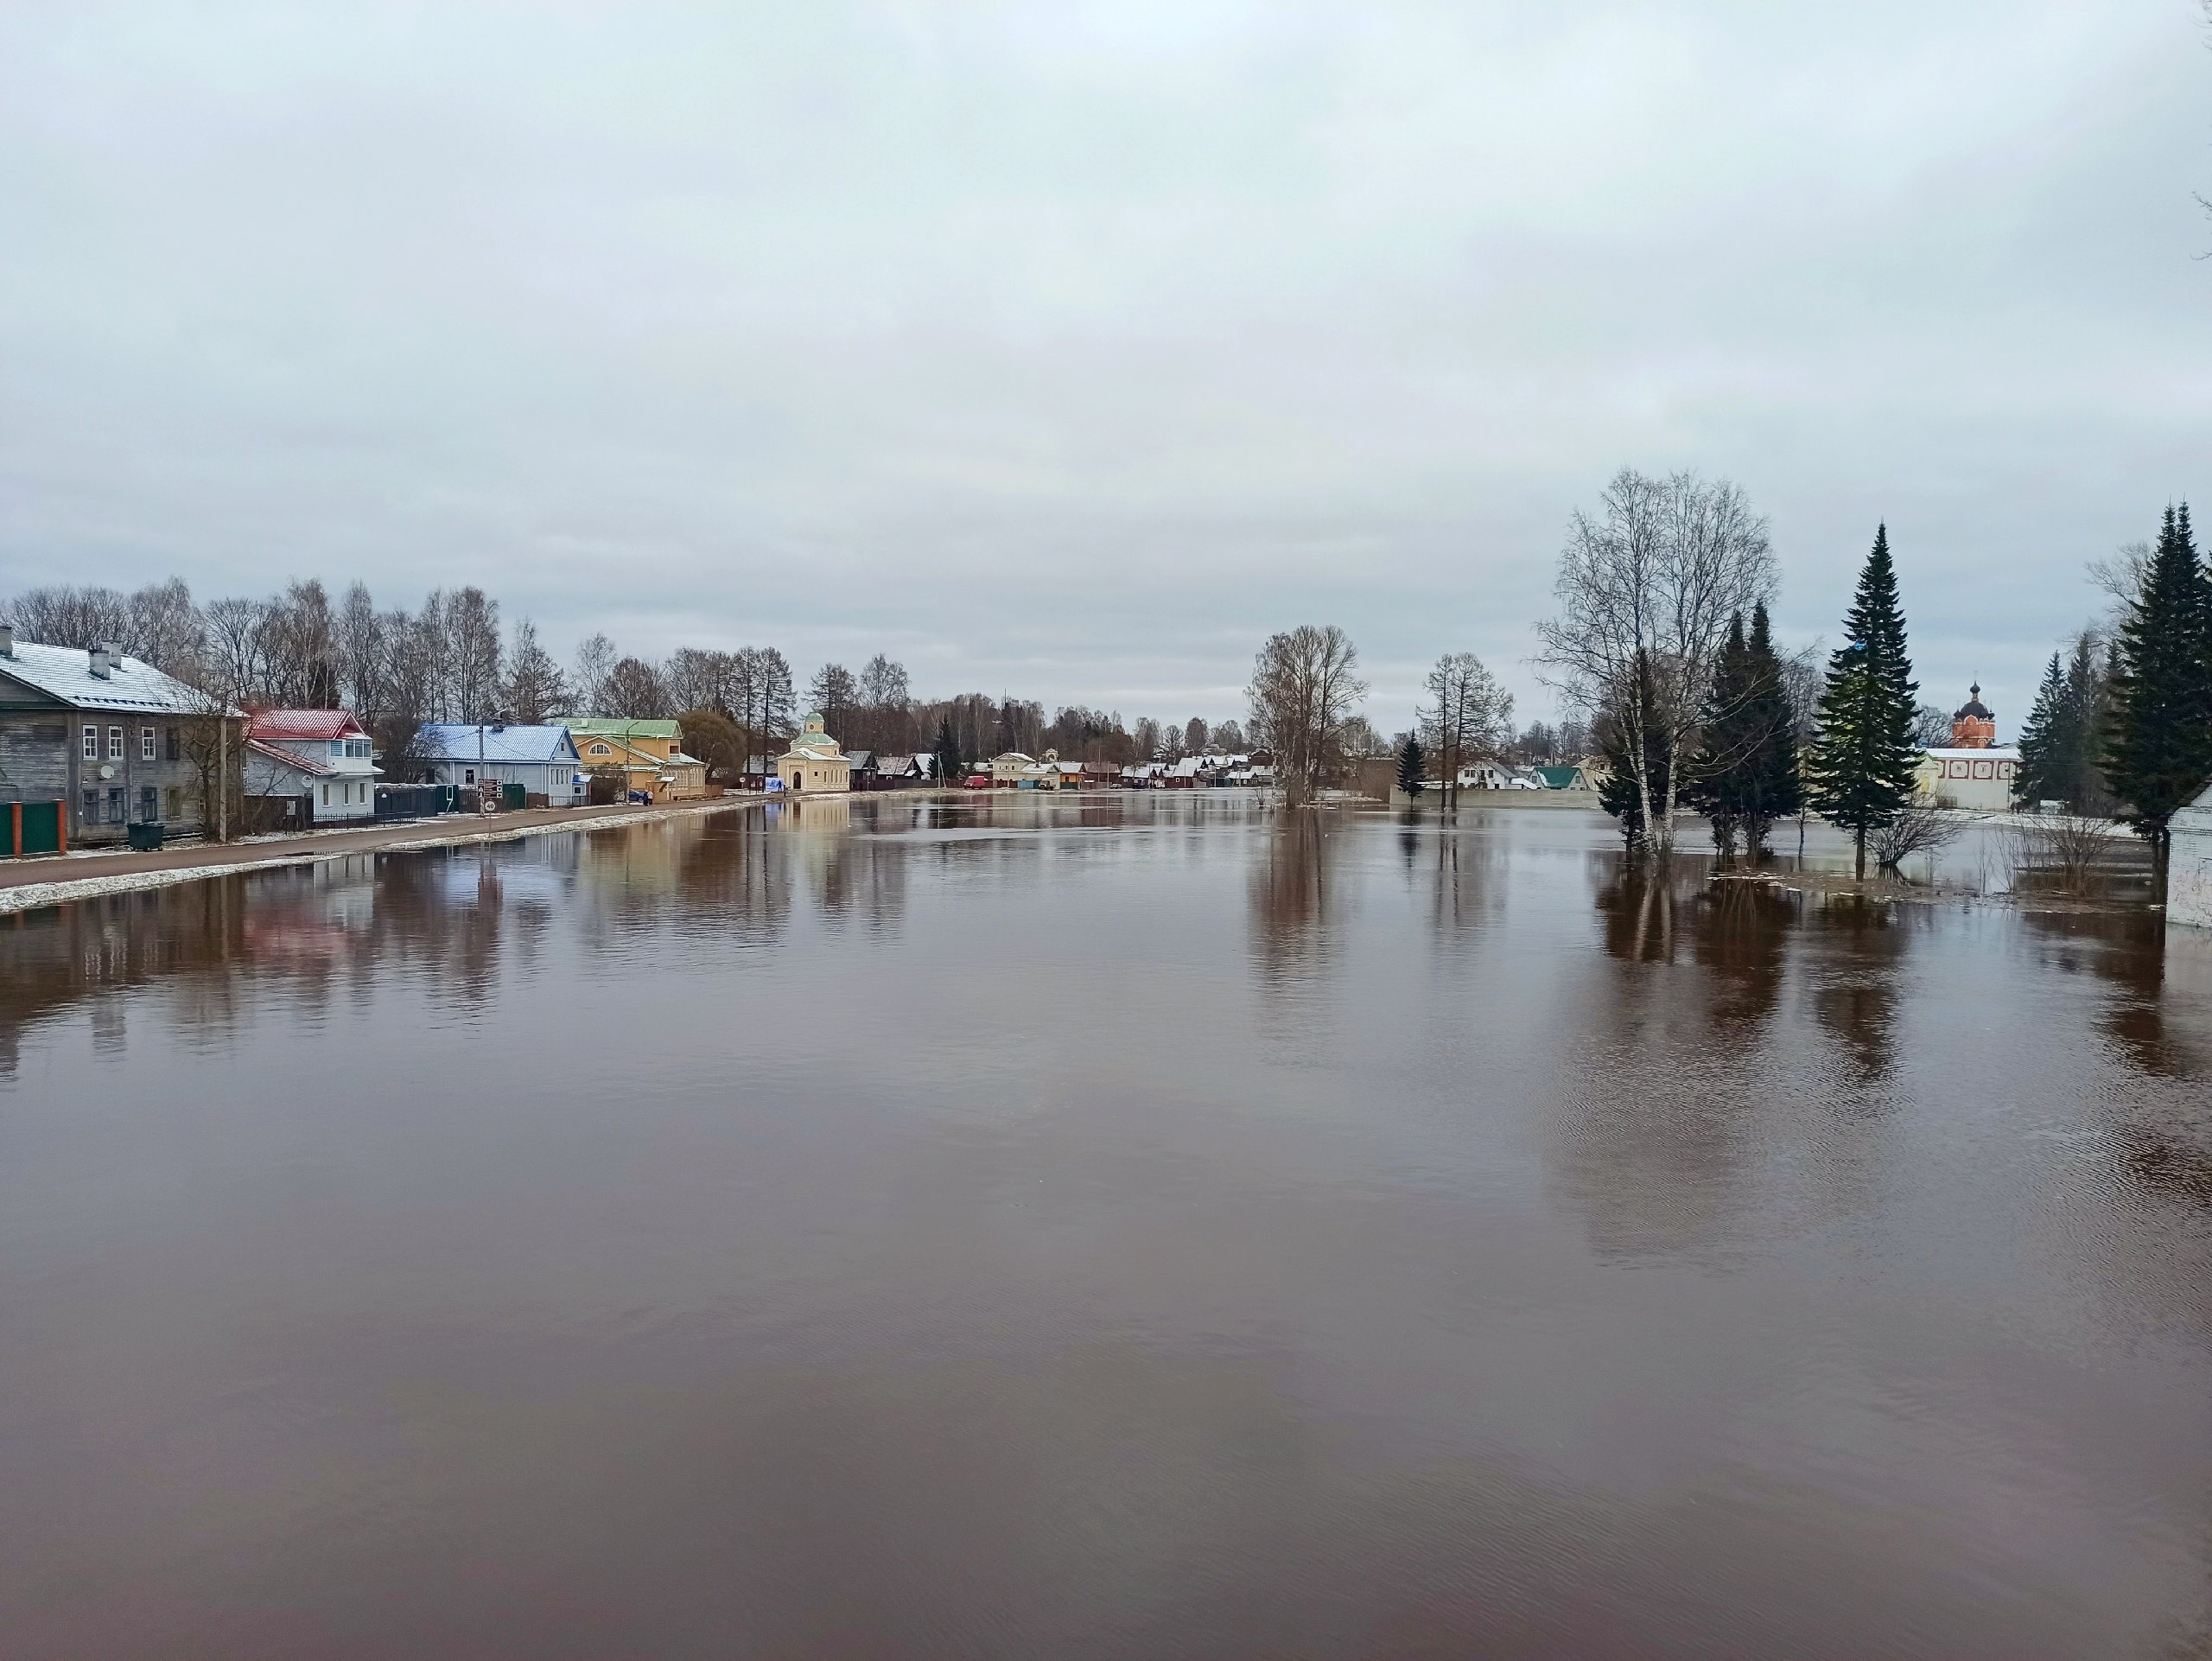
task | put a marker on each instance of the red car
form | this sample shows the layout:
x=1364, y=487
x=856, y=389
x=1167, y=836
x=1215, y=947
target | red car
x=976, y=781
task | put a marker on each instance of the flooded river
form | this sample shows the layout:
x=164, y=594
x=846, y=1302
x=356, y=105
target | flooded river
x=1129, y=1227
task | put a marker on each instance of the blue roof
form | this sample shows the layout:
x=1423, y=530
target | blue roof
x=437, y=740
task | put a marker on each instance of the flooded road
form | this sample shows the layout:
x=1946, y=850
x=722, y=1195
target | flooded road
x=1129, y=1227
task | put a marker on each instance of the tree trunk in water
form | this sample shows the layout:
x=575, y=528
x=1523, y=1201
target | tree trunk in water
x=2161, y=855
x=1860, y=843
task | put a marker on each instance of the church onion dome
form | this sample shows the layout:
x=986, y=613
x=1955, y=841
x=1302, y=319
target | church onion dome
x=1974, y=710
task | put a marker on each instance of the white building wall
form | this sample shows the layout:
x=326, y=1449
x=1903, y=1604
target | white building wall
x=2189, y=868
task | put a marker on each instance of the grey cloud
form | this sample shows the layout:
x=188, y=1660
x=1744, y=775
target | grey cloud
x=1067, y=350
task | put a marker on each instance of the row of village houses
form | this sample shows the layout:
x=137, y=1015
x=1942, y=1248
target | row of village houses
x=97, y=740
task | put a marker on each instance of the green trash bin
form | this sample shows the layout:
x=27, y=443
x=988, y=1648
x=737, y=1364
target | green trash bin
x=146, y=838
x=512, y=798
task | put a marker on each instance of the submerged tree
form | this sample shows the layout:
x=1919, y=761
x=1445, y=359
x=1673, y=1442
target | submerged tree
x=1746, y=776
x=1304, y=687
x=1863, y=763
x=1634, y=775
x=1412, y=766
x=1469, y=716
x=1646, y=587
x=2159, y=753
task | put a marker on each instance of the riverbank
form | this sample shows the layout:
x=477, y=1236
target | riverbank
x=26, y=885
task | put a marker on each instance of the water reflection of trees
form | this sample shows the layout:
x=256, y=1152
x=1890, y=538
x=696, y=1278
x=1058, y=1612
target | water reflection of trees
x=1293, y=901
x=1864, y=944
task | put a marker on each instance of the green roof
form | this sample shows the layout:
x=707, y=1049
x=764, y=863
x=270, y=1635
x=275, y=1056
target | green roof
x=603, y=727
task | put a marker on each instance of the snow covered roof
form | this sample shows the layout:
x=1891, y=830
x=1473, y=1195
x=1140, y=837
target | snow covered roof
x=310, y=724
x=65, y=672
x=457, y=742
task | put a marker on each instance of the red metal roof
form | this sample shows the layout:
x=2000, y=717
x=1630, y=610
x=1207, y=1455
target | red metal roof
x=304, y=723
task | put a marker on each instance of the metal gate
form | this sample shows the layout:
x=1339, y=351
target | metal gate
x=33, y=828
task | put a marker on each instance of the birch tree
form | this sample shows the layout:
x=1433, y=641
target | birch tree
x=1646, y=586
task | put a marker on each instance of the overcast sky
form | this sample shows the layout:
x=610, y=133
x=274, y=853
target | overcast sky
x=1068, y=350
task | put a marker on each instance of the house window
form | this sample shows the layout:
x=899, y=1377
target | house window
x=115, y=743
x=174, y=741
x=88, y=811
x=149, y=801
x=115, y=808
x=469, y=775
x=145, y=743
x=93, y=746
x=325, y=795
x=176, y=803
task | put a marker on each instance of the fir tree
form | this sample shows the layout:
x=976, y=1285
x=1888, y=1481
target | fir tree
x=2159, y=751
x=1862, y=764
x=1773, y=788
x=947, y=752
x=1411, y=765
x=2045, y=740
x=1730, y=743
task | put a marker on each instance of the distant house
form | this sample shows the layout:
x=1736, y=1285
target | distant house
x=650, y=753
x=1572, y=775
x=904, y=772
x=321, y=756
x=110, y=736
x=814, y=763
x=860, y=767
x=1008, y=767
x=542, y=760
x=2189, y=864
x=1488, y=775
x=1071, y=773
x=1981, y=778
x=1971, y=771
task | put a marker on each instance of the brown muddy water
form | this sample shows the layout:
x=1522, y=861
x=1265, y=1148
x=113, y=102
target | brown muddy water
x=1129, y=1227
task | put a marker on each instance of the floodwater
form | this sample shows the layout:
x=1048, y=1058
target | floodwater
x=1118, y=1227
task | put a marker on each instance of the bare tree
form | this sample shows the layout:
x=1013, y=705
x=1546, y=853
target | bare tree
x=633, y=692
x=832, y=694
x=1931, y=727
x=700, y=679
x=588, y=681
x=62, y=615
x=533, y=689
x=1227, y=736
x=1469, y=716
x=471, y=660
x=1654, y=577
x=1144, y=739
x=166, y=628
x=1194, y=734
x=1304, y=690
x=1919, y=827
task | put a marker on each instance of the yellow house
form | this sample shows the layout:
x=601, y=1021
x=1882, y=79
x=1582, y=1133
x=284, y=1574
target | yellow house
x=814, y=762
x=650, y=752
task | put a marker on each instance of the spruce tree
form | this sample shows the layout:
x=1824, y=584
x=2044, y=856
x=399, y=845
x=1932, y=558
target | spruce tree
x=947, y=752
x=2045, y=740
x=1773, y=788
x=1412, y=765
x=1862, y=764
x=2159, y=752
x=1728, y=750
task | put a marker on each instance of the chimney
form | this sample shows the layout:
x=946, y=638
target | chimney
x=7, y=640
x=98, y=658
